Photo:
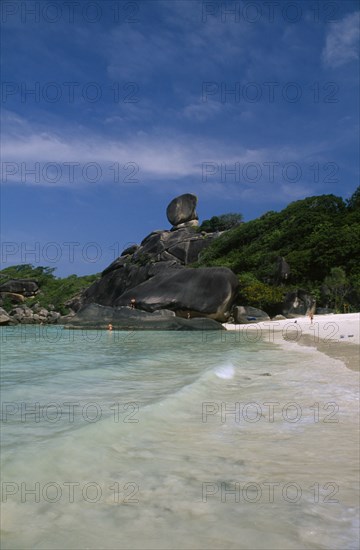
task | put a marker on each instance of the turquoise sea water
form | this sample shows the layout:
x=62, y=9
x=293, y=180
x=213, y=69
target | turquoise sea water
x=175, y=440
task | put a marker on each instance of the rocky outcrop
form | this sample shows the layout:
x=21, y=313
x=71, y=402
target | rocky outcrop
x=25, y=287
x=4, y=317
x=32, y=315
x=125, y=318
x=155, y=272
x=14, y=293
x=130, y=250
x=167, y=248
x=75, y=303
x=246, y=314
x=183, y=246
x=11, y=297
x=207, y=292
x=297, y=302
x=204, y=292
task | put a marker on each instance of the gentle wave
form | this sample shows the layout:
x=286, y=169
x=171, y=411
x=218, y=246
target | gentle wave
x=202, y=417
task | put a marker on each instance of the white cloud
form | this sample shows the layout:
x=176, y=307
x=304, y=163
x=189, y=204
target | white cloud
x=202, y=111
x=162, y=159
x=342, y=41
x=157, y=156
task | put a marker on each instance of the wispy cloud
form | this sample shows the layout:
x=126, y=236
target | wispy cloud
x=200, y=111
x=185, y=43
x=342, y=41
x=157, y=155
x=162, y=159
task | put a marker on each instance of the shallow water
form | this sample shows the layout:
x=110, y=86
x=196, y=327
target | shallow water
x=179, y=440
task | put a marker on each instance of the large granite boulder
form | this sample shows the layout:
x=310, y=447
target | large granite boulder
x=4, y=317
x=125, y=318
x=183, y=245
x=130, y=250
x=53, y=317
x=154, y=273
x=159, y=252
x=12, y=297
x=297, y=303
x=182, y=209
x=247, y=314
x=25, y=287
x=207, y=292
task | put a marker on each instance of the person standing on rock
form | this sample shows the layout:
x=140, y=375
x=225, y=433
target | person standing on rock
x=132, y=303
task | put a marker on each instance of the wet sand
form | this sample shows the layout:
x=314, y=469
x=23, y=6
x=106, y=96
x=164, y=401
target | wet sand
x=347, y=353
x=336, y=335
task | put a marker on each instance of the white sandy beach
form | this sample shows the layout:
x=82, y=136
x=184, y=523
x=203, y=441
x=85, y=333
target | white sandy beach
x=337, y=335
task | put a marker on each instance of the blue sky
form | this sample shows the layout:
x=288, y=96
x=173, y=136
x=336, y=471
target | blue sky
x=110, y=109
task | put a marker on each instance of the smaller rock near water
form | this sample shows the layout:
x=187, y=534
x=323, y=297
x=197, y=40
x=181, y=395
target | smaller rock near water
x=125, y=318
x=36, y=314
x=297, y=303
x=246, y=314
x=4, y=317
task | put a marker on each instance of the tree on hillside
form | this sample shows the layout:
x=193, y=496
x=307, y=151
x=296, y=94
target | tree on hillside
x=258, y=294
x=25, y=271
x=354, y=202
x=221, y=223
x=312, y=235
x=53, y=290
x=40, y=274
x=338, y=286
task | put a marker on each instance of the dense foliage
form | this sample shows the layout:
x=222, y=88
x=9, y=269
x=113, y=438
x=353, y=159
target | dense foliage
x=53, y=290
x=314, y=236
x=221, y=223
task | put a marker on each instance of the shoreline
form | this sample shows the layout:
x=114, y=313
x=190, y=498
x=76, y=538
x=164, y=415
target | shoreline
x=349, y=354
x=335, y=335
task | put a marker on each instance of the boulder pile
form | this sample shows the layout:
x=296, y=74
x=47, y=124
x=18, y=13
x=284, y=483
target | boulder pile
x=29, y=315
x=155, y=275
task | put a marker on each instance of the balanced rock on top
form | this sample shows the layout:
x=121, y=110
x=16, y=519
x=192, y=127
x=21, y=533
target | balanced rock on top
x=156, y=275
x=181, y=210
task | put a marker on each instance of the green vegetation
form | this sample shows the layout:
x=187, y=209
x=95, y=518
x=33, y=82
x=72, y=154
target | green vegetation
x=336, y=287
x=221, y=223
x=319, y=237
x=53, y=290
x=314, y=236
x=257, y=294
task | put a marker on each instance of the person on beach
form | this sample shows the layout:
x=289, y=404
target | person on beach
x=311, y=316
x=110, y=327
